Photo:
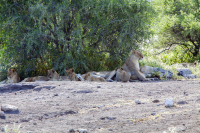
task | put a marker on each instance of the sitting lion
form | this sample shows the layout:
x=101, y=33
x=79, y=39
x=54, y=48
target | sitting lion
x=12, y=76
x=89, y=77
x=122, y=75
x=34, y=79
x=71, y=74
x=131, y=66
x=54, y=76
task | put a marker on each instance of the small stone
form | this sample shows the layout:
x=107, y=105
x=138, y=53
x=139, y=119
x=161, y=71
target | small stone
x=169, y=103
x=29, y=132
x=56, y=94
x=185, y=93
x=153, y=113
x=98, y=86
x=82, y=131
x=72, y=131
x=137, y=102
x=7, y=107
x=2, y=114
x=3, y=129
x=99, y=127
x=156, y=101
x=34, y=123
x=182, y=102
x=110, y=129
x=57, y=104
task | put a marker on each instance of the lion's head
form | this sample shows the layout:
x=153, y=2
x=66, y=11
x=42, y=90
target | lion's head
x=137, y=54
x=12, y=76
x=11, y=73
x=70, y=71
x=51, y=73
x=71, y=74
x=87, y=76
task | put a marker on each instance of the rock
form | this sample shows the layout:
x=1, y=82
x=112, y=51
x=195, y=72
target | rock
x=169, y=103
x=191, y=76
x=3, y=129
x=184, y=72
x=56, y=94
x=29, y=132
x=137, y=102
x=153, y=113
x=2, y=114
x=110, y=129
x=185, y=93
x=182, y=102
x=7, y=107
x=107, y=117
x=156, y=101
x=72, y=131
x=98, y=86
x=163, y=72
x=82, y=131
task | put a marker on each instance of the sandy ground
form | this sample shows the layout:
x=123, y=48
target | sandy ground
x=58, y=106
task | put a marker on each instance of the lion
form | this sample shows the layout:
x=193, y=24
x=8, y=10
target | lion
x=147, y=70
x=12, y=76
x=54, y=76
x=131, y=65
x=89, y=77
x=122, y=75
x=35, y=79
x=71, y=74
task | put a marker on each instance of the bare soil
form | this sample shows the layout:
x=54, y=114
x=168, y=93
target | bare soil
x=106, y=107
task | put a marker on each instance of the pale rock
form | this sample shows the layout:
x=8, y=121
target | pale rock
x=2, y=114
x=7, y=107
x=169, y=103
x=82, y=131
x=137, y=102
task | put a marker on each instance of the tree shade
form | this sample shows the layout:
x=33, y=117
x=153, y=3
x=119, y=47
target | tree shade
x=37, y=35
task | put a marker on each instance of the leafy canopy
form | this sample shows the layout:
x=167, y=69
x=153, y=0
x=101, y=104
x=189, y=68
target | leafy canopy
x=37, y=35
x=178, y=26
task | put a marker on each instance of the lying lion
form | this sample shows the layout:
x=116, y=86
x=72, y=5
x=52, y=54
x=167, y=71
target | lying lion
x=71, y=75
x=12, y=76
x=54, y=76
x=89, y=77
x=35, y=79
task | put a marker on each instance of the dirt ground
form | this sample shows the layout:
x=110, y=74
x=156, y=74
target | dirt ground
x=58, y=106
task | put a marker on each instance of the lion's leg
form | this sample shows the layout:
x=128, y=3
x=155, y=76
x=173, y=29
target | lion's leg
x=110, y=75
x=140, y=75
x=133, y=77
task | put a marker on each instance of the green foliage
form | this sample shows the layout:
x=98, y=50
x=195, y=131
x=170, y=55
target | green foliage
x=37, y=35
x=178, y=26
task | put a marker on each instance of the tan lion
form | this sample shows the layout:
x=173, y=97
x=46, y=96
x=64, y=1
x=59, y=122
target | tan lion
x=132, y=65
x=71, y=74
x=122, y=75
x=54, y=76
x=89, y=77
x=35, y=79
x=12, y=76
